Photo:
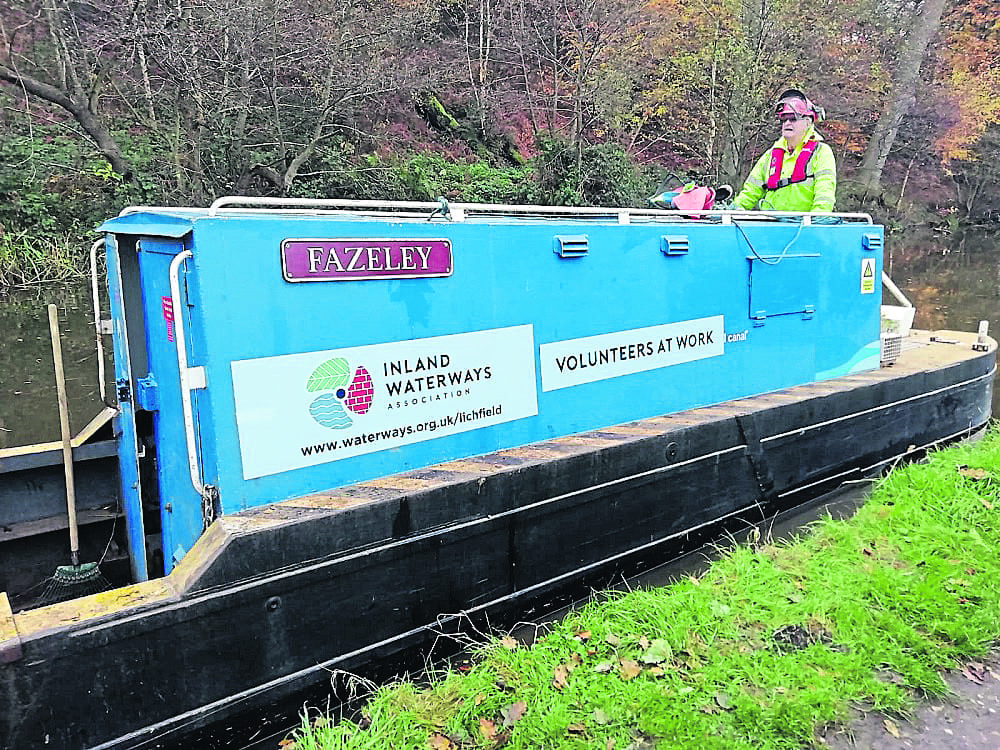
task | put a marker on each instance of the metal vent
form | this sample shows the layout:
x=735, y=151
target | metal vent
x=873, y=242
x=675, y=244
x=571, y=245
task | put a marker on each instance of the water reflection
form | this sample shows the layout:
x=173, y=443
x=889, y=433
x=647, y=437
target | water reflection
x=28, y=406
x=954, y=282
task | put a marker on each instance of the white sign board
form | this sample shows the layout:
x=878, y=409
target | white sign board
x=300, y=410
x=611, y=355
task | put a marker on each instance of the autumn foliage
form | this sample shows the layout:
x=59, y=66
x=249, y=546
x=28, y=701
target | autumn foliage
x=189, y=100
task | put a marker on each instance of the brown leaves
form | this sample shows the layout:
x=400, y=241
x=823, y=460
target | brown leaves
x=580, y=728
x=513, y=713
x=563, y=671
x=439, y=741
x=495, y=734
x=488, y=729
x=976, y=672
x=891, y=728
x=510, y=643
x=629, y=669
x=653, y=659
x=977, y=475
x=561, y=678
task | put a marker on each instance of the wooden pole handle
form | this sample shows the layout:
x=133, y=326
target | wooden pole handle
x=67, y=445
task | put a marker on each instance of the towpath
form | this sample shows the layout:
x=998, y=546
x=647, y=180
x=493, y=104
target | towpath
x=968, y=719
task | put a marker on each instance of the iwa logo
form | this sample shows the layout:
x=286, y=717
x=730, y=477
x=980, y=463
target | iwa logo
x=334, y=377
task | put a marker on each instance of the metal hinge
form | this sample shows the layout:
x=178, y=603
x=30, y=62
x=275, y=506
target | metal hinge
x=147, y=395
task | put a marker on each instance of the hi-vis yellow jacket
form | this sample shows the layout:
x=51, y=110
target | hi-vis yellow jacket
x=816, y=193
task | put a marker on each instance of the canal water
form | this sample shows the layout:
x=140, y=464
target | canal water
x=29, y=411
x=953, y=280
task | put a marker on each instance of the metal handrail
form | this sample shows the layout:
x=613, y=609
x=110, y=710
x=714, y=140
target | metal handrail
x=191, y=377
x=459, y=211
x=894, y=290
x=98, y=328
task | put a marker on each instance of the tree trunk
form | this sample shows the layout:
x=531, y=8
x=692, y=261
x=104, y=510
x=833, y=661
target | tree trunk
x=81, y=112
x=905, y=85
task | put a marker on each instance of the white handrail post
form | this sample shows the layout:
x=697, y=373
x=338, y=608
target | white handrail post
x=894, y=290
x=190, y=377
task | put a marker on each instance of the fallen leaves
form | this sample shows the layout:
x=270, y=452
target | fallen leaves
x=977, y=475
x=629, y=669
x=975, y=672
x=488, y=729
x=495, y=736
x=440, y=741
x=563, y=671
x=658, y=652
x=513, y=713
x=891, y=728
x=561, y=677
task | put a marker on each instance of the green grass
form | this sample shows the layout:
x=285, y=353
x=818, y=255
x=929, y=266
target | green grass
x=28, y=260
x=772, y=643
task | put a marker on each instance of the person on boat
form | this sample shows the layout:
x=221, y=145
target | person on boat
x=799, y=173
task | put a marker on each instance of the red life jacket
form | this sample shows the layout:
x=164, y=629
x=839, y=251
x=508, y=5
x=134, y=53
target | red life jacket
x=775, y=181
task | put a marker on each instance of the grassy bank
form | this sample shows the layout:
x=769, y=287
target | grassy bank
x=772, y=643
x=28, y=260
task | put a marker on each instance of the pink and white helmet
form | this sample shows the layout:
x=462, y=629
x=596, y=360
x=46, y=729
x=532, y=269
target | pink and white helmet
x=794, y=102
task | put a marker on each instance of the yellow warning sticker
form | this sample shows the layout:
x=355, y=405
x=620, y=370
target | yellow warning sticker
x=867, y=275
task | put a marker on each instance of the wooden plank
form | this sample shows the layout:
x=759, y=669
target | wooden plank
x=38, y=526
x=102, y=418
x=10, y=641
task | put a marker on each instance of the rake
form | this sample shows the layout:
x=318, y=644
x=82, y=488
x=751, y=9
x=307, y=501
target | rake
x=73, y=580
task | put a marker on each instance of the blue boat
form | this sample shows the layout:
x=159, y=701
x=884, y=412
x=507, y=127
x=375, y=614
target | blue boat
x=340, y=421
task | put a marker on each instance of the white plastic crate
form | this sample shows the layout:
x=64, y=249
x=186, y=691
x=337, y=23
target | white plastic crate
x=897, y=319
x=892, y=345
